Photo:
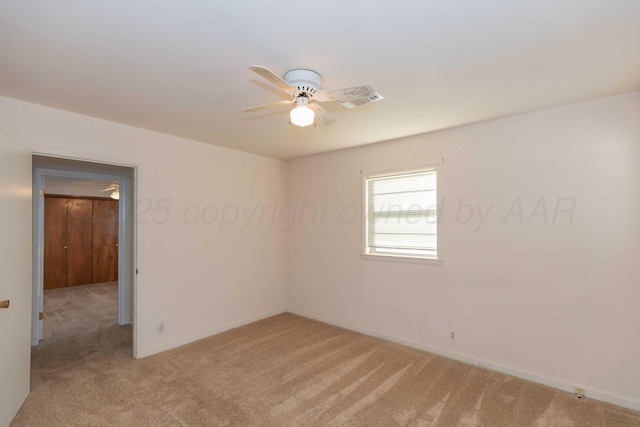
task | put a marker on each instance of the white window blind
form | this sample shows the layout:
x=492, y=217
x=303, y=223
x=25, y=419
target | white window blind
x=402, y=215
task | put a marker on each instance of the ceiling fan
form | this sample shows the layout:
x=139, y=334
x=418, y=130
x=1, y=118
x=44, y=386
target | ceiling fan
x=93, y=185
x=115, y=191
x=303, y=88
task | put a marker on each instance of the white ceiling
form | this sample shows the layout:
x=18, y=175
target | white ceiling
x=62, y=185
x=180, y=66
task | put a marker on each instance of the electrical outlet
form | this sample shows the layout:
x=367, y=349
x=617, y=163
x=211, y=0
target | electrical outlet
x=453, y=335
x=579, y=392
x=161, y=328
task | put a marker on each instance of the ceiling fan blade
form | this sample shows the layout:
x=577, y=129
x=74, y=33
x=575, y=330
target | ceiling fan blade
x=109, y=188
x=269, y=105
x=267, y=74
x=356, y=102
x=322, y=114
x=345, y=93
x=92, y=184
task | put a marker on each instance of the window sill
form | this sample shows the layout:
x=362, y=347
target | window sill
x=398, y=258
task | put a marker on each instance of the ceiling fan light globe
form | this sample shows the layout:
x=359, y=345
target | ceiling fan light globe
x=302, y=116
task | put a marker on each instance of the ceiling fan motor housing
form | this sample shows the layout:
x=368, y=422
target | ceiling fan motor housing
x=305, y=81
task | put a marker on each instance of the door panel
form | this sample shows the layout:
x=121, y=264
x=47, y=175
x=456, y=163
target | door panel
x=55, y=241
x=105, y=240
x=79, y=242
x=15, y=282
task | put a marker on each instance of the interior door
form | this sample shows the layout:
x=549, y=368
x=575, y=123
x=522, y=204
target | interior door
x=105, y=241
x=55, y=242
x=15, y=280
x=79, y=241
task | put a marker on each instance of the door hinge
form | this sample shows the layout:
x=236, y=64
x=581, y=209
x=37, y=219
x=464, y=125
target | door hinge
x=40, y=316
x=136, y=271
x=42, y=193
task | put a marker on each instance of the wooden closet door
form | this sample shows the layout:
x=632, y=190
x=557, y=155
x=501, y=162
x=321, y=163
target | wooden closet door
x=105, y=241
x=55, y=242
x=79, y=242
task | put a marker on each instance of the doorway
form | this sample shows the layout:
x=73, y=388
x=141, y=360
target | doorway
x=86, y=181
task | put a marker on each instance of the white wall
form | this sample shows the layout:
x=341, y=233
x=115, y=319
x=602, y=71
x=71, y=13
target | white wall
x=549, y=298
x=198, y=273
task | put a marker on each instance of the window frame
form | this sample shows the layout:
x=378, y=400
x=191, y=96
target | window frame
x=365, y=254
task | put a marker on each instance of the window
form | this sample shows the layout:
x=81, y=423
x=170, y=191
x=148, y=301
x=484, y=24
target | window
x=401, y=215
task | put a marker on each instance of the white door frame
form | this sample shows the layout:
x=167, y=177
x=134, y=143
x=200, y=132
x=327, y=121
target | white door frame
x=126, y=253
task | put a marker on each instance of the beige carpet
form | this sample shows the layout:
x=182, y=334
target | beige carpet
x=79, y=310
x=286, y=371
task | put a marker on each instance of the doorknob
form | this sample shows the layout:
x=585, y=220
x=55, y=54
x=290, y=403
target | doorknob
x=65, y=246
x=4, y=304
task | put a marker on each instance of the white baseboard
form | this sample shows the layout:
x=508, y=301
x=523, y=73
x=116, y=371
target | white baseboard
x=589, y=393
x=206, y=334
